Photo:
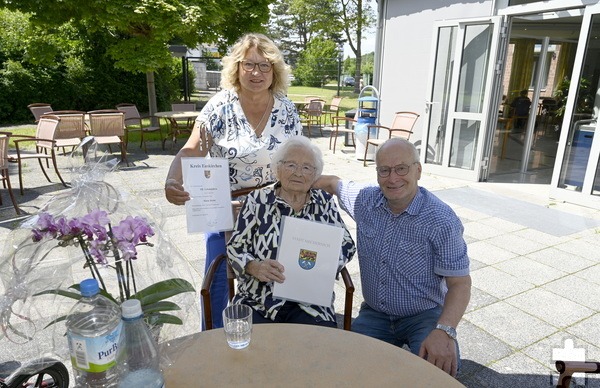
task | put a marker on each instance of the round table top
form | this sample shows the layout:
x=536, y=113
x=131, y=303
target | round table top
x=293, y=355
x=177, y=114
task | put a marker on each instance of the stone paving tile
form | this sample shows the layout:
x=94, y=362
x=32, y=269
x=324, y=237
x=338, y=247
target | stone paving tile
x=591, y=274
x=543, y=351
x=488, y=253
x=498, y=283
x=550, y=308
x=580, y=248
x=480, y=299
x=510, y=325
x=479, y=346
x=561, y=260
x=480, y=231
x=517, y=244
x=576, y=289
x=530, y=270
x=500, y=225
x=588, y=329
x=516, y=370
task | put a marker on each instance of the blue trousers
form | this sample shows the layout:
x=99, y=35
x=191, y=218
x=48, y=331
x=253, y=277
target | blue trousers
x=216, y=245
x=398, y=331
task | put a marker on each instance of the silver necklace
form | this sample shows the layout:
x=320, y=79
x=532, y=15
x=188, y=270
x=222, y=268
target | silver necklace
x=263, y=115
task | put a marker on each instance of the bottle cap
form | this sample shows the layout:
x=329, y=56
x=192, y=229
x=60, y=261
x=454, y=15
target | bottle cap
x=89, y=287
x=131, y=308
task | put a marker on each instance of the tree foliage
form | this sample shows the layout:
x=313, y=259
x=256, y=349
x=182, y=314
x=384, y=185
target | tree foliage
x=142, y=30
x=294, y=23
x=317, y=63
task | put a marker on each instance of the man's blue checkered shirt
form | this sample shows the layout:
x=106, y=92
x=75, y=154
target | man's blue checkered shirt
x=404, y=258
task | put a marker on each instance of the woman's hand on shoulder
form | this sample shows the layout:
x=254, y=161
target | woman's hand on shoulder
x=175, y=193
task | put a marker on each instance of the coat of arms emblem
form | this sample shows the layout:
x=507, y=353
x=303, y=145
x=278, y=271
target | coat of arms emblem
x=207, y=174
x=307, y=259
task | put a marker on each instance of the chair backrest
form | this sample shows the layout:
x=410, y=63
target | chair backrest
x=38, y=109
x=107, y=122
x=46, y=130
x=403, y=124
x=315, y=107
x=132, y=115
x=335, y=104
x=71, y=124
x=3, y=153
x=183, y=107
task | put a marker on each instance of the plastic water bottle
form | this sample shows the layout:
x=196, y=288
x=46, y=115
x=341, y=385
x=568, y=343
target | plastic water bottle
x=140, y=350
x=93, y=331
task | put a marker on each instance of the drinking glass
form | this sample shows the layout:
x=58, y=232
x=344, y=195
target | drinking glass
x=237, y=323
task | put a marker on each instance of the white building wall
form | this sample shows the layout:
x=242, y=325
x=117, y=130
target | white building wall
x=406, y=42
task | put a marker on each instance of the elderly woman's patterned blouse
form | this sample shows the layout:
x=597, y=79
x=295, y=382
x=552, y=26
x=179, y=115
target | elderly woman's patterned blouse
x=256, y=237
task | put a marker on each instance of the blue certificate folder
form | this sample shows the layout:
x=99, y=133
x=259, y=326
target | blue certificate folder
x=309, y=252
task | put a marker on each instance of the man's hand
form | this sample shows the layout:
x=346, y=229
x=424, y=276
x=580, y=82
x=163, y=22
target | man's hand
x=440, y=350
x=266, y=270
x=175, y=193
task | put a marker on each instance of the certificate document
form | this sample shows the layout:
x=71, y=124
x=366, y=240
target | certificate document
x=207, y=181
x=310, y=252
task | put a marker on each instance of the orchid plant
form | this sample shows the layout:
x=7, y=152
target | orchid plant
x=114, y=247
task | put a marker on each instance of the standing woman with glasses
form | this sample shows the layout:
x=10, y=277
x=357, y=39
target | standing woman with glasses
x=252, y=250
x=245, y=122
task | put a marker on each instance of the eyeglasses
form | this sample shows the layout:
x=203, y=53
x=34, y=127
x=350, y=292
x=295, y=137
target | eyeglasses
x=264, y=67
x=292, y=167
x=401, y=170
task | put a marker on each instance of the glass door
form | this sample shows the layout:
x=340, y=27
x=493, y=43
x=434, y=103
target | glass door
x=577, y=176
x=461, y=76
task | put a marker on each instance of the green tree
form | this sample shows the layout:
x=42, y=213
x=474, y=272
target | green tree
x=317, y=63
x=294, y=23
x=356, y=17
x=142, y=30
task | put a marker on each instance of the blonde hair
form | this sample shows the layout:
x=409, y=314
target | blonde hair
x=229, y=74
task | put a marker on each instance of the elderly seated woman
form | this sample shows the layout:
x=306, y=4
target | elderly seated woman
x=252, y=249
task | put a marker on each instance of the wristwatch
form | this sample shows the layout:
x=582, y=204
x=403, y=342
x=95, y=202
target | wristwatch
x=448, y=329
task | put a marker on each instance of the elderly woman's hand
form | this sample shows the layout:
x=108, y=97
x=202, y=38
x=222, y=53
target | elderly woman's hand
x=266, y=270
x=175, y=193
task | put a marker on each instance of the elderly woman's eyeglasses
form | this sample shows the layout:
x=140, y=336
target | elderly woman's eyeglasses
x=264, y=67
x=292, y=167
x=400, y=169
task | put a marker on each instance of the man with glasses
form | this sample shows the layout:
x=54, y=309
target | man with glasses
x=413, y=258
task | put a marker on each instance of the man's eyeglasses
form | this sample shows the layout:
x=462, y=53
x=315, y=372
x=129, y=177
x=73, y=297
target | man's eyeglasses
x=401, y=169
x=292, y=167
x=264, y=67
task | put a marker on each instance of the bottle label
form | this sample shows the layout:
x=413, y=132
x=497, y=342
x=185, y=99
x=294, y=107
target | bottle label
x=96, y=354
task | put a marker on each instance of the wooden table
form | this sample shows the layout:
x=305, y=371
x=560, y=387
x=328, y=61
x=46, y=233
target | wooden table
x=173, y=128
x=293, y=355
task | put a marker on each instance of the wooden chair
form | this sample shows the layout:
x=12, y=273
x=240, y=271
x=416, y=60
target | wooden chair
x=312, y=114
x=348, y=127
x=44, y=148
x=4, y=175
x=210, y=274
x=567, y=368
x=401, y=127
x=179, y=126
x=108, y=127
x=134, y=122
x=332, y=110
x=38, y=109
x=71, y=128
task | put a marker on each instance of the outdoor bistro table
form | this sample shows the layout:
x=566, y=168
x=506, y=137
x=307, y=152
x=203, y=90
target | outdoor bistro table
x=294, y=355
x=171, y=117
